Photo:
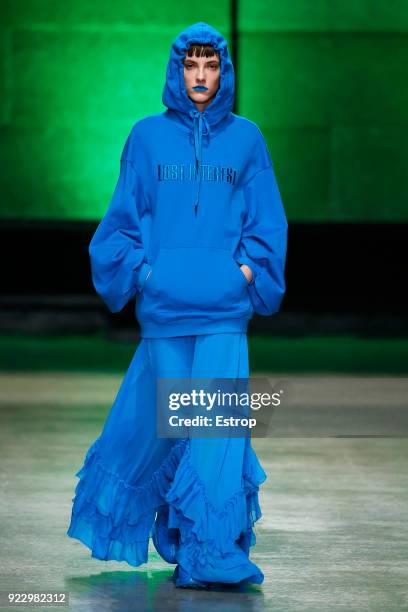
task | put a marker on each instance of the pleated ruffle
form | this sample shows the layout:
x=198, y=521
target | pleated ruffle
x=215, y=542
x=114, y=519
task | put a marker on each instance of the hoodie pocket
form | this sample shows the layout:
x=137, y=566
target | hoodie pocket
x=203, y=282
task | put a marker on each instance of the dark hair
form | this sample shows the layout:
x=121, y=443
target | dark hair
x=200, y=50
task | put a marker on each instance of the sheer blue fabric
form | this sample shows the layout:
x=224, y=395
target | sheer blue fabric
x=208, y=487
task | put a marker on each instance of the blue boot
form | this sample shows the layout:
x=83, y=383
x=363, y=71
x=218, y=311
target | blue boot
x=182, y=579
x=165, y=544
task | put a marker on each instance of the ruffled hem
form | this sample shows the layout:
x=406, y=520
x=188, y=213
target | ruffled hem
x=215, y=542
x=115, y=519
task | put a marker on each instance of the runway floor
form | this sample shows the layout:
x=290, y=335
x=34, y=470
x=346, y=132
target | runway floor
x=334, y=530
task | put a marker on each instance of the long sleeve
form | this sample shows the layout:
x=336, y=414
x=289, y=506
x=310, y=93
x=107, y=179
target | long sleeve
x=263, y=241
x=118, y=260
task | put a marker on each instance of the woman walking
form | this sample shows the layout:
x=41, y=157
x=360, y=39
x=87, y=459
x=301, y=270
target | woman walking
x=196, y=233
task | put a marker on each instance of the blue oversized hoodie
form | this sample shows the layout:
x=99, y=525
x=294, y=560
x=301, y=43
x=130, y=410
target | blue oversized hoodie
x=195, y=198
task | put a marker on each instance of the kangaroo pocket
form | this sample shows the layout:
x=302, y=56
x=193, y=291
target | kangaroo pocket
x=195, y=282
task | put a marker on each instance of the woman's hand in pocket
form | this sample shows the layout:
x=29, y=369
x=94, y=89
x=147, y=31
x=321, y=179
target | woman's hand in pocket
x=147, y=277
x=246, y=270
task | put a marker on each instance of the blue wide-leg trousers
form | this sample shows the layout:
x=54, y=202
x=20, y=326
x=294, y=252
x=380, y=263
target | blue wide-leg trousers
x=208, y=487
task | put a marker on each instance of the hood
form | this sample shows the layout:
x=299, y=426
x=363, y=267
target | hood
x=175, y=96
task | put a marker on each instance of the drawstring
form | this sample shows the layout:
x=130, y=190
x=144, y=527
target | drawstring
x=198, y=120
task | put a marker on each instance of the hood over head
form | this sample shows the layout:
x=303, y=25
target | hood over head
x=175, y=96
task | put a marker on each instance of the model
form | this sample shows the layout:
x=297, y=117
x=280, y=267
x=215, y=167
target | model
x=196, y=233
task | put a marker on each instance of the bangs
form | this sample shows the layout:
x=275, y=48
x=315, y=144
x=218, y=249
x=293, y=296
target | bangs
x=200, y=50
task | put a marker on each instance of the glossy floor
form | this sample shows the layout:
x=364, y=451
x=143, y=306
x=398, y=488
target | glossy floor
x=333, y=535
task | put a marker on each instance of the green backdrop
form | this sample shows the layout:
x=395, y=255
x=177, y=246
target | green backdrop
x=325, y=80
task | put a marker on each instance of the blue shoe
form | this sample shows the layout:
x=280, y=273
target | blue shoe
x=165, y=544
x=182, y=579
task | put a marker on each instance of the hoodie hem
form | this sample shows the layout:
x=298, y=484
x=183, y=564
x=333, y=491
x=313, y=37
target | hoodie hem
x=151, y=329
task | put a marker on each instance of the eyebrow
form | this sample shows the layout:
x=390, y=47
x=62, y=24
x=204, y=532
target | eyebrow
x=210, y=61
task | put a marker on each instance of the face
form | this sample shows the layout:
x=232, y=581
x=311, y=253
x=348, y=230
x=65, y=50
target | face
x=202, y=79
